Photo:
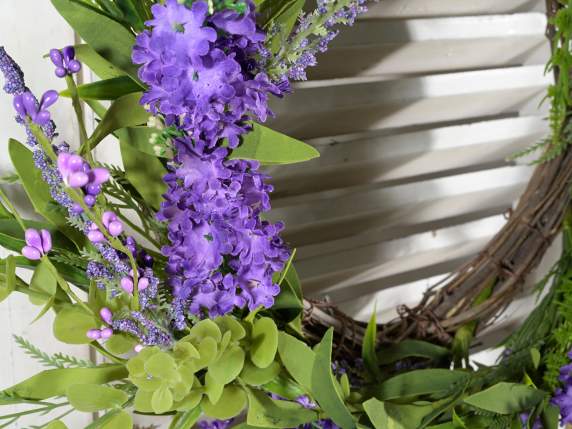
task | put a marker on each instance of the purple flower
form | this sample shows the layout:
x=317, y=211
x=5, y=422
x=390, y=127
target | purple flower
x=65, y=61
x=38, y=243
x=563, y=396
x=214, y=424
x=112, y=223
x=27, y=106
x=524, y=418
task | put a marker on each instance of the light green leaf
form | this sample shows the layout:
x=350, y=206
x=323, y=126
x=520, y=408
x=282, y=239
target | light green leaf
x=10, y=280
x=93, y=397
x=535, y=356
x=185, y=420
x=213, y=388
x=506, y=398
x=420, y=382
x=55, y=382
x=230, y=404
x=120, y=344
x=106, y=36
x=119, y=420
x=369, y=345
x=43, y=281
x=38, y=191
x=58, y=424
x=72, y=323
x=268, y=413
x=298, y=359
x=229, y=323
x=255, y=376
x=324, y=387
x=123, y=112
x=147, y=181
x=264, y=342
x=162, y=400
x=284, y=18
x=407, y=416
x=283, y=386
x=271, y=147
x=226, y=368
x=139, y=138
x=375, y=410
x=411, y=348
x=99, y=65
x=109, y=89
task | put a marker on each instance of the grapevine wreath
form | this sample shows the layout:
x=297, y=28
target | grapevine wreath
x=168, y=269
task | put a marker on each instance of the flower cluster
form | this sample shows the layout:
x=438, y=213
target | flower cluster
x=207, y=84
x=563, y=396
x=222, y=254
x=65, y=61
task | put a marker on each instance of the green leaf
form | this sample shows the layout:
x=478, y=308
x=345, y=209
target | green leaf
x=38, y=191
x=185, y=420
x=324, y=387
x=535, y=357
x=72, y=323
x=55, y=382
x=268, y=413
x=506, y=398
x=120, y=344
x=139, y=138
x=255, y=376
x=228, y=366
x=123, y=112
x=407, y=416
x=298, y=359
x=118, y=420
x=420, y=382
x=284, y=14
x=58, y=424
x=230, y=404
x=289, y=300
x=147, y=181
x=99, y=65
x=93, y=397
x=368, y=347
x=271, y=147
x=109, y=89
x=411, y=348
x=162, y=400
x=10, y=284
x=230, y=324
x=375, y=410
x=264, y=342
x=43, y=281
x=285, y=387
x=550, y=417
x=106, y=36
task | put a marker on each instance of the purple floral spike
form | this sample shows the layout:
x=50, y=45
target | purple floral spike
x=65, y=61
x=27, y=106
x=38, y=243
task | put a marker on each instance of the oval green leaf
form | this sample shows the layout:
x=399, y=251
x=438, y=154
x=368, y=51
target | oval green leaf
x=90, y=398
x=264, y=342
x=72, y=323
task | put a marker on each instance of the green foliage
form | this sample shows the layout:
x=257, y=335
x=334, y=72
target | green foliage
x=298, y=359
x=99, y=65
x=90, y=398
x=271, y=147
x=368, y=347
x=58, y=360
x=264, y=342
x=269, y=413
x=109, y=89
x=72, y=323
x=412, y=349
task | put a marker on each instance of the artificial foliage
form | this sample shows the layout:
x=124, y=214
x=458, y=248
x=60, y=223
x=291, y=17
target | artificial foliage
x=192, y=299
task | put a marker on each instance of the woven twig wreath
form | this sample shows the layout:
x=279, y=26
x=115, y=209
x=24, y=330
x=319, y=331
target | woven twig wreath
x=502, y=266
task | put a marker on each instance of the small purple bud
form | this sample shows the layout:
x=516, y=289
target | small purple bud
x=42, y=117
x=61, y=72
x=56, y=57
x=127, y=284
x=89, y=200
x=95, y=236
x=46, y=240
x=77, y=179
x=74, y=66
x=31, y=253
x=106, y=333
x=29, y=103
x=33, y=238
x=76, y=208
x=19, y=106
x=143, y=283
x=115, y=228
x=75, y=162
x=93, y=189
x=69, y=53
x=108, y=217
x=106, y=315
x=100, y=175
x=94, y=334
x=49, y=98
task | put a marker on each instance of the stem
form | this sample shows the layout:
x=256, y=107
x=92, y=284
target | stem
x=114, y=242
x=64, y=285
x=12, y=209
x=105, y=353
x=84, y=147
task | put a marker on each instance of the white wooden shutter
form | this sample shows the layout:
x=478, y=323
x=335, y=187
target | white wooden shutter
x=414, y=111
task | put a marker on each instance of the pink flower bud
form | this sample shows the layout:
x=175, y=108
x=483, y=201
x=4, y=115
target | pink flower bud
x=106, y=333
x=115, y=228
x=31, y=253
x=106, y=315
x=94, y=334
x=127, y=284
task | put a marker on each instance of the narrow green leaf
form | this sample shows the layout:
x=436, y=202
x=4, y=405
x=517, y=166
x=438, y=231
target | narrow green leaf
x=289, y=301
x=506, y=398
x=10, y=284
x=90, y=398
x=369, y=345
x=298, y=359
x=268, y=413
x=420, y=382
x=72, y=323
x=411, y=348
x=148, y=181
x=106, y=36
x=324, y=385
x=55, y=382
x=123, y=112
x=99, y=65
x=38, y=191
x=109, y=89
x=185, y=420
x=271, y=147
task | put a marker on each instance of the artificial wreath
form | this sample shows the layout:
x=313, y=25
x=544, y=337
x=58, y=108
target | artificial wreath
x=168, y=269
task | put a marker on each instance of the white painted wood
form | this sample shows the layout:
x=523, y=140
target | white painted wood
x=28, y=36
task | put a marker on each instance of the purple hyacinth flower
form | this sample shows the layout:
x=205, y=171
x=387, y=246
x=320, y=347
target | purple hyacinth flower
x=38, y=243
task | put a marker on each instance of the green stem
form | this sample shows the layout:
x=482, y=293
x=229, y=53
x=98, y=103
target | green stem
x=12, y=209
x=105, y=353
x=95, y=218
x=84, y=147
x=64, y=285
